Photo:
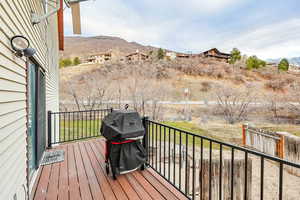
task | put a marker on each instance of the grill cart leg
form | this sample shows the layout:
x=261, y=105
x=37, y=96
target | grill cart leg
x=106, y=156
x=107, y=167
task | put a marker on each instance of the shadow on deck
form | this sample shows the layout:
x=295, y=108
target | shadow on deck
x=82, y=176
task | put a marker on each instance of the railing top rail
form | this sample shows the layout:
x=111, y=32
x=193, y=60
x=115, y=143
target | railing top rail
x=79, y=111
x=257, y=153
x=263, y=134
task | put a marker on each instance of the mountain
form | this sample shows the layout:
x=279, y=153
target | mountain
x=84, y=46
x=293, y=61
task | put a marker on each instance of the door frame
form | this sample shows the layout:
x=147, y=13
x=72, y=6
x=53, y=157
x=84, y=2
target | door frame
x=31, y=178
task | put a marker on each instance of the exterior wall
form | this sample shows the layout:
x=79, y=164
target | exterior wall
x=15, y=20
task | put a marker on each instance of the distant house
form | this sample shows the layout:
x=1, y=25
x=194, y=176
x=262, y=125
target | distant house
x=100, y=58
x=136, y=57
x=183, y=55
x=215, y=53
x=104, y=57
x=171, y=55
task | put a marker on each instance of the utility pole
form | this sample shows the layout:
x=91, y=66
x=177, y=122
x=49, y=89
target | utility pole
x=186, y=97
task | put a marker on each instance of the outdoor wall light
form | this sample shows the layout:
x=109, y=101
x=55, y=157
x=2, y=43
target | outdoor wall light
x=20, y=45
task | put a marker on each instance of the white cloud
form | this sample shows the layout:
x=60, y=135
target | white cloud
x=271, y=41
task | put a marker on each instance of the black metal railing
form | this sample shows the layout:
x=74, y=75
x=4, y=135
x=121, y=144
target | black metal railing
x=205, y=168
x=74, y=125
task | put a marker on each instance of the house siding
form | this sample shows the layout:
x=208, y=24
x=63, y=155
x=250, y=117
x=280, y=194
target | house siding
x=15, y=19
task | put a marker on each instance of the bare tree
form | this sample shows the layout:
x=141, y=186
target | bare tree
x=234, y=103
x=275, y=105
x=294, y=102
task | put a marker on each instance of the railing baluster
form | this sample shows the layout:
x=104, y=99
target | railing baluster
x=221, y=175
x=90, y=129
x=59, y=131
x=54, y=139
x=232, y=173
x=280, y=180
x=164, y=151
x=210, y=169
x=77, y=123
x=73, y=122
x=194, y=169
x=246, y=176
x=82, y=126
x=93, y=124
x=152, y=125
x=149, y=140
x=98, y=123
x=201, y=171
x=174, y=157
x=69, y=127
x=159, y=148
x=156, y=159
x=180, y=160
x=64, y=127
x=186, y=163
x=169, y=154
x=262, y=167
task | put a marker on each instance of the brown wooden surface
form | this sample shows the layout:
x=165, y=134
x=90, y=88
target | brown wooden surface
x=82, y=176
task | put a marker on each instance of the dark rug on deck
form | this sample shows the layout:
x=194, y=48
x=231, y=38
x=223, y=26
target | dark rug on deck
x=53, y=157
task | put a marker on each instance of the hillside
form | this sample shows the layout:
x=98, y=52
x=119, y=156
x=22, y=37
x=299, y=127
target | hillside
x=83, y=46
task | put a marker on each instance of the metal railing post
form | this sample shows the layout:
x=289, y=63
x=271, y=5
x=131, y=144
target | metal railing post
x=49, y=128
x=145, y=139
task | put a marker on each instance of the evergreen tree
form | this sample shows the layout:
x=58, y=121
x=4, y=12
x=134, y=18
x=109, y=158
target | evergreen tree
x=160, y=53
x=235, y=56
x=283, y=65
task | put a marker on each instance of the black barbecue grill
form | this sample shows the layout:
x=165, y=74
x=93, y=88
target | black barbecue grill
x=123, y=131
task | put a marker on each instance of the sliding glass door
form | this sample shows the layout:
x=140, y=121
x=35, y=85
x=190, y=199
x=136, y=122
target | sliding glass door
x=36, y=116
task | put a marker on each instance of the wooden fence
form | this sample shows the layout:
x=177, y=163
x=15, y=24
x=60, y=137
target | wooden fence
x=265, y=141
x=238, y=179
x=281, y=144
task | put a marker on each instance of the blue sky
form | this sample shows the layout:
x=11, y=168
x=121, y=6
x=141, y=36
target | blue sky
x=266, y=28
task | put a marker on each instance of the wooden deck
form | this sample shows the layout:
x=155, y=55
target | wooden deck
x=82, y=176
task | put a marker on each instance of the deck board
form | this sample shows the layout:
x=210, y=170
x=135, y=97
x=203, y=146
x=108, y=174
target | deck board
x=63, y=178
x=82, y=175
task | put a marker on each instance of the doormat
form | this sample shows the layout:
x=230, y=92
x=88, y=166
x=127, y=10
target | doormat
x=53, y=157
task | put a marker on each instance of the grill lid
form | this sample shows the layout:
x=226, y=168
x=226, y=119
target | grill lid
x=122, y=124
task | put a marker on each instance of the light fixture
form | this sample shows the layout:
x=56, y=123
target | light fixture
x=20, y=45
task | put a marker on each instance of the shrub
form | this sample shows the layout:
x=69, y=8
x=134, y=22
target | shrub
x=255, y=63
x=268, y=75
x=65, y=62
x=276, y=85
x=76, y=61
x=239, y=78
x=160, y=53
x=206, y=86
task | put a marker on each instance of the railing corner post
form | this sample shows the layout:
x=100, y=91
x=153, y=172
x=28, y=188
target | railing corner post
x=281, y=147
x=244, y=127
x=49, y=128
x=145, y=139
